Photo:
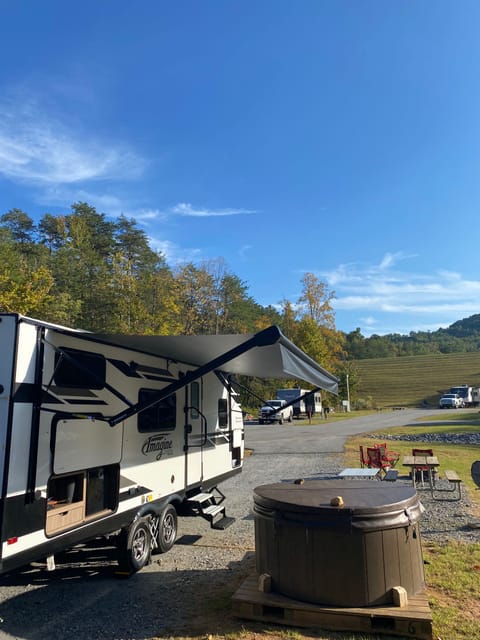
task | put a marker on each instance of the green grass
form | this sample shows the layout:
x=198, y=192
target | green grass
x=473, y=415
x=411, y=380
x=452, y=570
x=452, y=574
x=457, y=457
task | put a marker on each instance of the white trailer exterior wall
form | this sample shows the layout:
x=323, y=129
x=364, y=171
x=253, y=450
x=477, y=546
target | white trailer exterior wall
x=115, y=435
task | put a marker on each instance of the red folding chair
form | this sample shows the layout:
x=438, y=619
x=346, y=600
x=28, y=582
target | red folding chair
x=375, y=460
x=363, y=458
x=389, y=457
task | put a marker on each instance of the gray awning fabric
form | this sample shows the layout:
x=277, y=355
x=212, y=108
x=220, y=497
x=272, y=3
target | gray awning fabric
x=267, y=354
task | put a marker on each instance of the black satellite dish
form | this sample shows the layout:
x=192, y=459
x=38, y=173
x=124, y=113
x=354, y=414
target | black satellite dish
x=475, y=471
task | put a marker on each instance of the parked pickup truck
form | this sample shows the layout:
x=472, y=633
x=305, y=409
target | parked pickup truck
x=275, y=411
x=450, y=401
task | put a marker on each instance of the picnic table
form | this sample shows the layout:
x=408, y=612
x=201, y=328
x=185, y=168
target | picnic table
x=430, y=463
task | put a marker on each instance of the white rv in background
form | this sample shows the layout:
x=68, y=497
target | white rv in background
x=469, y=395
x=115, y=436
x=302, y=399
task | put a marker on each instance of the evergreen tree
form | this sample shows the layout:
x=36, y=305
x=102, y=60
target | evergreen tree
x=21, y=227
x=52, y=232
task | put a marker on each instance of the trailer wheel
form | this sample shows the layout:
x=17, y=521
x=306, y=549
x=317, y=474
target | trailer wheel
x=135, y=546
x=167, y=529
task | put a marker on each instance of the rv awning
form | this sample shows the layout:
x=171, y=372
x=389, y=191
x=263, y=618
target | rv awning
x=267, y=354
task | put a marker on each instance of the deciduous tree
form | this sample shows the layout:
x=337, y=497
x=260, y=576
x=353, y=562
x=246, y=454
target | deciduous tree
x=316, y=300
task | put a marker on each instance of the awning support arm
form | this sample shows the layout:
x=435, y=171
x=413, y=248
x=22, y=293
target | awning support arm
x=264, y=338
x=235, y=383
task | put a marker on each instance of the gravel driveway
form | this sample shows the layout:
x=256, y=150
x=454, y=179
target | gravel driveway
x=185, y=590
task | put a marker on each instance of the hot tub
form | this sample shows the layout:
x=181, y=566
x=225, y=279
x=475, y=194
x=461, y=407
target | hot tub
x=349, y=556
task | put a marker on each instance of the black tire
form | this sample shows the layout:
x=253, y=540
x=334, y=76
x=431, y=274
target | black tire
x=135, y=546
x=167, y=529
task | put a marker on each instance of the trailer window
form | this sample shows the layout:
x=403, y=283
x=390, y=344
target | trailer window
x=222, y=412
x=162, y=416
x=79, y=369
x=194, y=400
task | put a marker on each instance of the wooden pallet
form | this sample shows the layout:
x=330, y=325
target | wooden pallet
x=412, y=621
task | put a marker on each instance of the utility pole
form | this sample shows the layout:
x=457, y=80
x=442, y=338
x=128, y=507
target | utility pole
x=348, y=395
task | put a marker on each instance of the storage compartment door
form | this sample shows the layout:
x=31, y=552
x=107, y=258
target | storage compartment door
x=8, y=344
x=84, y=443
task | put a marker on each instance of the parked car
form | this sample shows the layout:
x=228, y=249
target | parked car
x=275, y=411
x=451, y=401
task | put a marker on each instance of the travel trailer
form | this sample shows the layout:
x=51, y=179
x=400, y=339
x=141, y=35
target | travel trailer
x=303, y=400
x=469, y=395
x=116, y=435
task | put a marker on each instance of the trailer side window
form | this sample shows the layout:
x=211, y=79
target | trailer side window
x=222, y=412
x=79, y=369
x=162, y=416
x=194, y=400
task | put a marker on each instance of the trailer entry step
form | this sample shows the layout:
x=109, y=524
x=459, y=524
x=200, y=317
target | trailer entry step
x=201, y=497
x=209, y=506
x=212, y=510
x=224, y=523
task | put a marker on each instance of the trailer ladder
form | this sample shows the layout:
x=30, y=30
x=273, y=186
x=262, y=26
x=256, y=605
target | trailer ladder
x=211, y=507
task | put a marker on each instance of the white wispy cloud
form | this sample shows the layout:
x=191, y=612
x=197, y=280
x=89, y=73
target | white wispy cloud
x=112, y=205
x=399, y=298
x=54, y=195
x=40, y=149
x=244, y=249
x=390, y=259
x=186, y=209
x=146, y=215
x=369, y=321
x=174, y=254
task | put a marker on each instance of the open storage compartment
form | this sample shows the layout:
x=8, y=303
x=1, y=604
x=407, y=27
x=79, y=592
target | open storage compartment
x=78, y=497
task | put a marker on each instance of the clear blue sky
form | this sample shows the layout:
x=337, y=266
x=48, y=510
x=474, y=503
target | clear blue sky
x=335, y=137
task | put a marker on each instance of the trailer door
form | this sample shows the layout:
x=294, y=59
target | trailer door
x=8, y=344
x=85, y=443
x=195, y=433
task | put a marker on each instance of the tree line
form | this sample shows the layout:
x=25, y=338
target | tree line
x=462, y=336
x=84, y=270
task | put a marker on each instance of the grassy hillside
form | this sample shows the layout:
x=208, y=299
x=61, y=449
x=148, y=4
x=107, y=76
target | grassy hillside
x=411, y=380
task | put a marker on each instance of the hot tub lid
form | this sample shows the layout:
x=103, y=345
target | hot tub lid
x=367, y=505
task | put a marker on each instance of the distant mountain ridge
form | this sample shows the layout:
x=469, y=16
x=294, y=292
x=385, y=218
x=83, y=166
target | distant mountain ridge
x=465, y=328
x=462, y=336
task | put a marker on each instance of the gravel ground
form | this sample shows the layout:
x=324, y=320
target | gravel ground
x=444, y=517
x=185, y=591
